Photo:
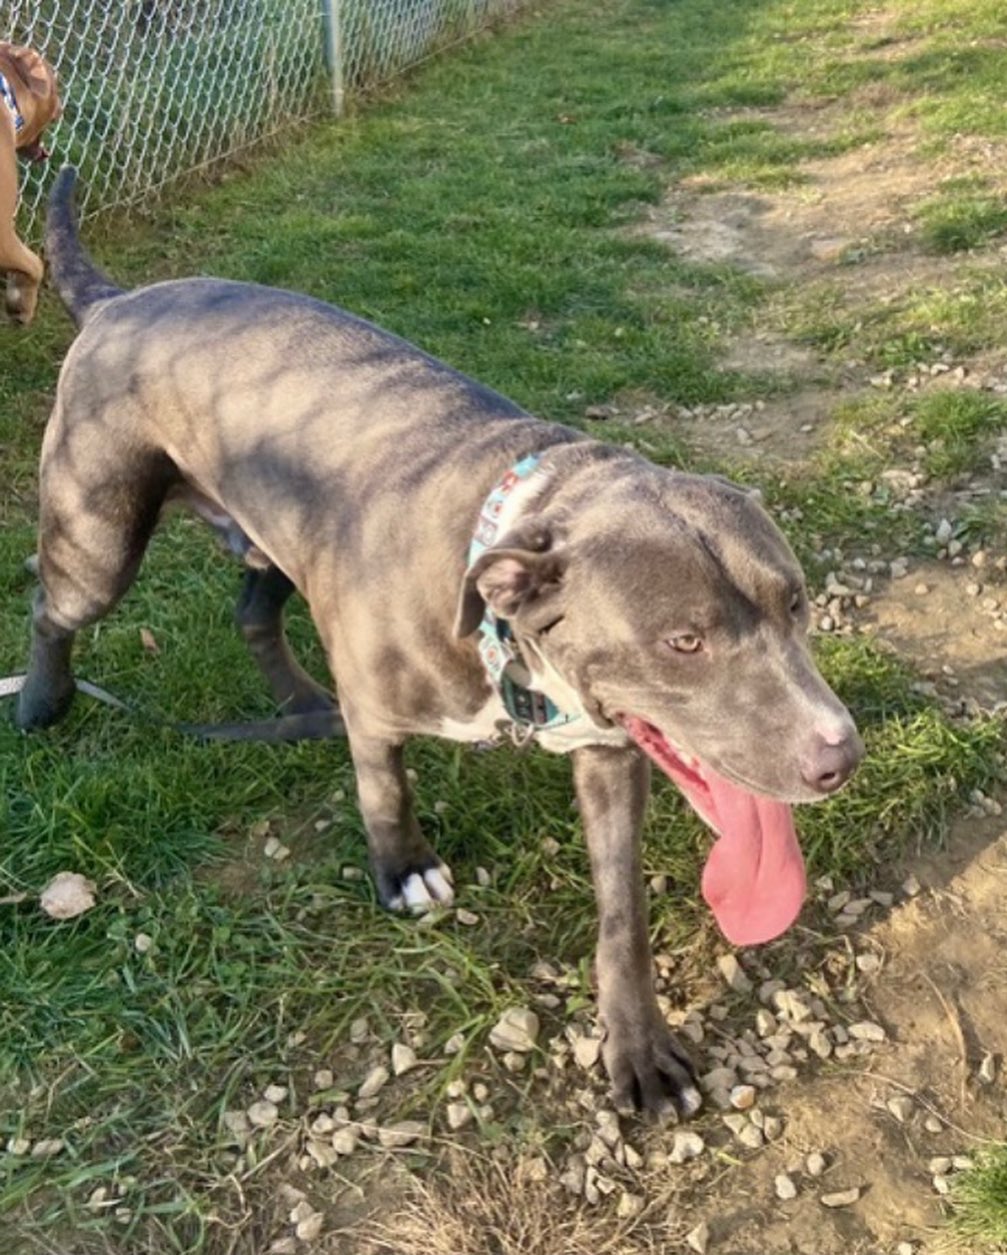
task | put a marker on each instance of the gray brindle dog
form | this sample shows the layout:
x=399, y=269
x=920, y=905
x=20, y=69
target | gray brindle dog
x=608, y=608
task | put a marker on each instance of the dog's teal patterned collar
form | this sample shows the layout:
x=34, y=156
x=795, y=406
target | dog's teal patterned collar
x=530, y=709
x=10, y=100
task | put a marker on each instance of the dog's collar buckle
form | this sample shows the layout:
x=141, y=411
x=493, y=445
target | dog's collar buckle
x=10, y=100
x=530, y=710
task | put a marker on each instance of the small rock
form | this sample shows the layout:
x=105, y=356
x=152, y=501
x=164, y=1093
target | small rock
x=360, y=1030
x=685, y=1146
x=751, y=1137
x=19, y=1146
x=586, y=1051
x=911, y=886
x=344, y=1141
x=480, y=1091
x=944, y=531
x=785, y=1187
x=962, y=1163
x=940, y=1166
x=901, y=1107
x=513, y=1061
x=743, y=1097
x=988, y=1070
x=815, y=1164
x=483, y=878
x=373, y=1082
x=517, y=1029
x=323, y=1153
x=46, y=1147
x=455, y=1044
x=403, y=1059
x=904, y=1248
x=404, y=1133
x=842, y=1198
x=311, y=1227
x=772, y=1127
x=67, y=895
x=282, y=1246
x=765, y=1022
x=458, y=1114
x=698, y=1239
x=942, y=1185
x=820, y=1044
x=867, y=1030
x=468, y=918
x=301, y=1210
x=868, y=963
x=275, y=1094
x=733, y=974
x=629, y=1205
x=262, y=1114
x=324, y=1078
x=719, y=1078
x=933, y=1124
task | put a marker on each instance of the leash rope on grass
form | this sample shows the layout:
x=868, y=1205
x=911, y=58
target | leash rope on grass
x=315, y=726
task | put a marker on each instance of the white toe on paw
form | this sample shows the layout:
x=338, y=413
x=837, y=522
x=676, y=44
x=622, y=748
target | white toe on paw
x=415, y=894
x=438, y=881
x=691, y=1101
x=397, y=903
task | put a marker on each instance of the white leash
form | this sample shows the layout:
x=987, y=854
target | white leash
x=12, y=684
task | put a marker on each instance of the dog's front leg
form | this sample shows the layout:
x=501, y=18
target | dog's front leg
x=407, y=872
x=647, y=1068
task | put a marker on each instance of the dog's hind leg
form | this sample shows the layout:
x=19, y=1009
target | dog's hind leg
x=259, y=616
x=93, y=530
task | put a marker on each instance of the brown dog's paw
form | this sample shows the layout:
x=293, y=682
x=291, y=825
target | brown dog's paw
x=649, y=1071
x=19, y=302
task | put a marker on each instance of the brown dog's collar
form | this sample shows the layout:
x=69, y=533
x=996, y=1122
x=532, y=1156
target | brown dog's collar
x=10, y=100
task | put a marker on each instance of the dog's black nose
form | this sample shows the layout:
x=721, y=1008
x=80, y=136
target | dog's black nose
x=828, y=766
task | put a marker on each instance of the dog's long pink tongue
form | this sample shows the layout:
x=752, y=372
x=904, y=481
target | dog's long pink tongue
x=754, y=879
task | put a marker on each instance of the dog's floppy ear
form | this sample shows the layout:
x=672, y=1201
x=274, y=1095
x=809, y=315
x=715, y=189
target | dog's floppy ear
x=522, y=567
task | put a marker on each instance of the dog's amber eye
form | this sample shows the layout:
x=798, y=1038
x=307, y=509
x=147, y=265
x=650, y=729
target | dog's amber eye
x=686, y=643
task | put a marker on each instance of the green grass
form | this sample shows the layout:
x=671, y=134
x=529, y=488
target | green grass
x=482, y=213
x=961, y=218
x=980, y=1201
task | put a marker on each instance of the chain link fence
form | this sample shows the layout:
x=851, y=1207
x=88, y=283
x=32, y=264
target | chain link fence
x=154, y=89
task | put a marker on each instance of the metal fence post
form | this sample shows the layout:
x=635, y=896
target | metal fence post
x=334, y=52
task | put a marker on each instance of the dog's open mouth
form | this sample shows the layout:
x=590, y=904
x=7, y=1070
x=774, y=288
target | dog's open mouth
x=754, y=878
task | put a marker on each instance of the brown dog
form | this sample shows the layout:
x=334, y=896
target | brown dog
x=29, y=101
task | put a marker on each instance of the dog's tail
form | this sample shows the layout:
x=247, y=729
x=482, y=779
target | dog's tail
x=79, y=282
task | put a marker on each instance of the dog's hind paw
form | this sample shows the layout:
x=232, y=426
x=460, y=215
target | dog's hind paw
x=423, y=890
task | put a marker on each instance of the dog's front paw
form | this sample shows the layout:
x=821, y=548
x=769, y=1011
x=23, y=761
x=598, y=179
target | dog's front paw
x=417, y=888
x=20, y=300
x=649, y=1070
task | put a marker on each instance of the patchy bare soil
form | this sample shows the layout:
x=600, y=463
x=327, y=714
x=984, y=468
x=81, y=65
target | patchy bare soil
x=942, y=996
